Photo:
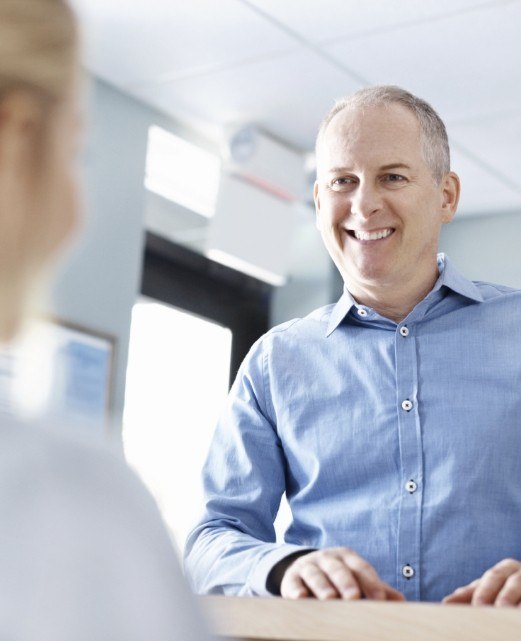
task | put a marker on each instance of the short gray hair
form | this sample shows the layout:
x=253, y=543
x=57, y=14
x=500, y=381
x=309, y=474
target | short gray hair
x=434, y=139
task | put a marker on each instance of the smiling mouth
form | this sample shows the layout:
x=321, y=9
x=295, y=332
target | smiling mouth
x=378, y=234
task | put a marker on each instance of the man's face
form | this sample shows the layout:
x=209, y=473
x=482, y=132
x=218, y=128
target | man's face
x=379, y=209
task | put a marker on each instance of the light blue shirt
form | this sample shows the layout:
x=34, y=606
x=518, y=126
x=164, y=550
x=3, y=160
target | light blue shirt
x=400, y=441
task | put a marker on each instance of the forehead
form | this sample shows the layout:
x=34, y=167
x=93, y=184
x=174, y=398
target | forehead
x=375, y=135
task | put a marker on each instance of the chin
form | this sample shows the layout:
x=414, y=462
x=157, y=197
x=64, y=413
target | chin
x=10, y=326
x=370, y=274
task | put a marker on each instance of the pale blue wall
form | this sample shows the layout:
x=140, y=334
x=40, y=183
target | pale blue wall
x=486, y=247
x=98, y=283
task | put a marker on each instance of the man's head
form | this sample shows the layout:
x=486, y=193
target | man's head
x=383, y=189
x=435, y=142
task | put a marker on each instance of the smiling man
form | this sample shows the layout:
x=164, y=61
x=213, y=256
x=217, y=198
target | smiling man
x=391, y=419
x=380, y=205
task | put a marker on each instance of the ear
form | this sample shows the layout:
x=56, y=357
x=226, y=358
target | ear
x=316, y=198
x=450, y=189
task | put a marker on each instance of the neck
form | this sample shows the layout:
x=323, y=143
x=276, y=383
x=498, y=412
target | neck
x=11, y=310
x=391, y=300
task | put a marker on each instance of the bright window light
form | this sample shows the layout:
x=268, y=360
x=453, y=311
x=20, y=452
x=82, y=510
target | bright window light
x=246, y=267
x=177, y=382
x=182, y=172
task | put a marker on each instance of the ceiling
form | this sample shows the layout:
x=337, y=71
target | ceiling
x=280, y=64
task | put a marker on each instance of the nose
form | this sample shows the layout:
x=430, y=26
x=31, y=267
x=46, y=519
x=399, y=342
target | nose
x=365, y=200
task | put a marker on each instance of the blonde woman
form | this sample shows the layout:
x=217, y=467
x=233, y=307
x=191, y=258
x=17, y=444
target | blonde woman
x=83, y=552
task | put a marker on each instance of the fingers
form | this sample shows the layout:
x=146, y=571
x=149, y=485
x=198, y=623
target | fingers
x=327, y=583
x=335, y=573
x=320, y=574
x=490, y=585
x=510, y=594
x=293, y=587
x=463, y=594
x=370, y=584
x=500, y=586
x=503, y=588
x=394, y=595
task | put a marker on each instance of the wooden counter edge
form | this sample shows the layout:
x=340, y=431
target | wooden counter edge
x=312, y=620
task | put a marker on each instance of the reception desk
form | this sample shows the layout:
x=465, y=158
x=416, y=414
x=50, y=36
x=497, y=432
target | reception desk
x=276, y=619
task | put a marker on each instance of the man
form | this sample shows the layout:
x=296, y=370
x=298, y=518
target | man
x=391, y=419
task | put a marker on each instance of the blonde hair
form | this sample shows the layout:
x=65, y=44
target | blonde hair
x=38, y=42
x=434, y=139
x=38, y=55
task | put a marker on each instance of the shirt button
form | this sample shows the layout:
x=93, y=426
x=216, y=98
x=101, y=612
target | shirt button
x=408, y=571
x=362, y=312
x=411, y=486
x=407, y=405
x=404, y=331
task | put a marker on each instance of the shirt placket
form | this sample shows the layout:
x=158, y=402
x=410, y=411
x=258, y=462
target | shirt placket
x=408, y=568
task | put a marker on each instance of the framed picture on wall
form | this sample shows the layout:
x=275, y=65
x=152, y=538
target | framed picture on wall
x=60, y=373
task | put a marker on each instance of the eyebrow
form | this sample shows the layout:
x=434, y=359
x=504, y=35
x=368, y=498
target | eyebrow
x=392, y=165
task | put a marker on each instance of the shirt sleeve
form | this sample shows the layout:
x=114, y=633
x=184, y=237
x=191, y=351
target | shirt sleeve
x=232, y=549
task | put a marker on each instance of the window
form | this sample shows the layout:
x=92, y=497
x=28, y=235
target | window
x=177, y=381
x=192, y=327
x=182, y=172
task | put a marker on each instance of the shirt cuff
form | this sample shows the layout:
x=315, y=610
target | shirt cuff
x=259, y=576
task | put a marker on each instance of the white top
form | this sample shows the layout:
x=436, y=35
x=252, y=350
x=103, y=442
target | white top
x=84, y=555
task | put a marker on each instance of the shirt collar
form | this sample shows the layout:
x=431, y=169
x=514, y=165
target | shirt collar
x=453, y=279
x=449, y=277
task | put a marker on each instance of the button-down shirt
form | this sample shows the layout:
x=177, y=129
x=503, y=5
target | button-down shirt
x=400, y=441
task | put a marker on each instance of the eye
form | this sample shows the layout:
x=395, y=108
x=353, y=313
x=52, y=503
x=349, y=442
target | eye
x=394, y=178
x=342, y=182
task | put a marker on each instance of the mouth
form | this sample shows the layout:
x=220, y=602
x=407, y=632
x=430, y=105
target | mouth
x=370, y=236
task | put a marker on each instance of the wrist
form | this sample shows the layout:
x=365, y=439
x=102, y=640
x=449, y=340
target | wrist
x=277, y=572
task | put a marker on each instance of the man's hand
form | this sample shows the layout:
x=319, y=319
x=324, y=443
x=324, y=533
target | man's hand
x=335, y=573
x=501, y=586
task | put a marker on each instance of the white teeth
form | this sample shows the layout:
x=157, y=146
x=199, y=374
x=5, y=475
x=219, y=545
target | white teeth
x=372, y=235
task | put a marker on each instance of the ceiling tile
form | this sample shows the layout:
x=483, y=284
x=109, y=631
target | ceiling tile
x=287, y=96
x=210, y=63
x=495, y=142
x=324, y=20
x=161, y=39
x=465, y=65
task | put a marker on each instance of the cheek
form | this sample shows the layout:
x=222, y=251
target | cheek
x=333, y=210
x=329, y=230
x=59, y=209
x=67, y=205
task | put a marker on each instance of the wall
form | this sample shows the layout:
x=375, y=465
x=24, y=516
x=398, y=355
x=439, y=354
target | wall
x=310, y=281
x=98, y=282
x=486, y=247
